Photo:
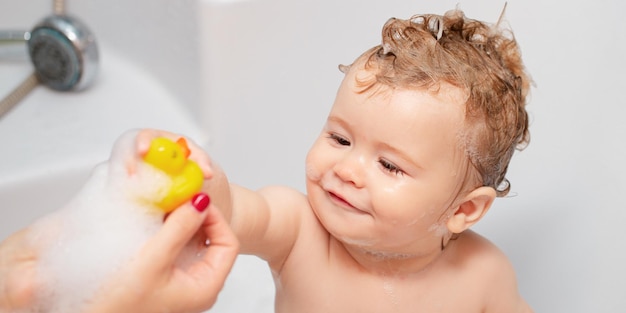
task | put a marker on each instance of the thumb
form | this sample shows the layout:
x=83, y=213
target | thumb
x=179, y=227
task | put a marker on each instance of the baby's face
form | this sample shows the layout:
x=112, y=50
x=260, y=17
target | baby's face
x=384, y=173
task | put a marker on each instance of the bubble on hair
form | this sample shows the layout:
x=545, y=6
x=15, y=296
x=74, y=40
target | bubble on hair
x=503, y=188
x=386, y=48
x=477, y=38
x=417, y=19
x=436, y=27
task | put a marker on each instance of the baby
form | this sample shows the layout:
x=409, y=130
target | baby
x=413, y=153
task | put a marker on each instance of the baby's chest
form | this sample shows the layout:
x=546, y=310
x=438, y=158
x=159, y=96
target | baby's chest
x=332, y=290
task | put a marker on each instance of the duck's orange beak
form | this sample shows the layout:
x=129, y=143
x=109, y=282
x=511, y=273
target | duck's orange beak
x=184, y=146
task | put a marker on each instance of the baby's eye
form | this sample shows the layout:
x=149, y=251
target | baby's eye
x=390, y=167
x=340, y=140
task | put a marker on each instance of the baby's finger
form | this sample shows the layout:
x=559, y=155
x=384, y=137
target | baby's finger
x=179, y=227
x=199, y=156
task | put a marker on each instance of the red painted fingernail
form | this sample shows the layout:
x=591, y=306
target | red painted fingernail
x=200, y=201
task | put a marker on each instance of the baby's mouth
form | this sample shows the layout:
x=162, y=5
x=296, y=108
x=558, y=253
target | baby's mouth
x=339, y=199
x=344, y=203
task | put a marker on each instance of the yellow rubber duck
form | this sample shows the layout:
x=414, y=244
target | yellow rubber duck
x=172, y=158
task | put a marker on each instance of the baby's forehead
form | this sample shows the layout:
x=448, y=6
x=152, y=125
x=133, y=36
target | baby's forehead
x=362, y=80
x=403, y=105
x=445, y=114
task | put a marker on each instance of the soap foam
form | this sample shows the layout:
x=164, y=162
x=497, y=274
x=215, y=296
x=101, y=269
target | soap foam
x=101, y=228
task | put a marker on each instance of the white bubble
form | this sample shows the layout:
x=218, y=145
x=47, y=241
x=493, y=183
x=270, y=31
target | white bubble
x=102, y=227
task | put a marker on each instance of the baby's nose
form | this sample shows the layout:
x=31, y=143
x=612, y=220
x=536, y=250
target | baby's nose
x=351, y=168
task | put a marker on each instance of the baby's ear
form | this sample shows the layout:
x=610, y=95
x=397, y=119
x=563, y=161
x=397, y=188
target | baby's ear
x=472, y=209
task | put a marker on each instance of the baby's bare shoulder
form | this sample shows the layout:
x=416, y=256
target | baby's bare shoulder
x=491, y=271
x=475, y=250
x=479, y=257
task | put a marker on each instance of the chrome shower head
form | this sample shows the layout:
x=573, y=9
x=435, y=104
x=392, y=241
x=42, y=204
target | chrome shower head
x=64, y=53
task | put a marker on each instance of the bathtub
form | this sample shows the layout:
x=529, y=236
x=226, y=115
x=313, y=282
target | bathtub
x=252, y=82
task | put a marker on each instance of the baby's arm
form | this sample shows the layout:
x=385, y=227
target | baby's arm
x=266, y=222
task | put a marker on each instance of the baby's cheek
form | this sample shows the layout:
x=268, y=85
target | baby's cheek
x=312, y=172
x=312, y=166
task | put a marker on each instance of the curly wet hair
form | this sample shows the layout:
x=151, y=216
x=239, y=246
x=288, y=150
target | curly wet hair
x=482, y=59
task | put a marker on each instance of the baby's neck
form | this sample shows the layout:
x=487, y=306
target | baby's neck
x=390, y=263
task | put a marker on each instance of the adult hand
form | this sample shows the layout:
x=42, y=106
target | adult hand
x=155, y=282
x=18, y=261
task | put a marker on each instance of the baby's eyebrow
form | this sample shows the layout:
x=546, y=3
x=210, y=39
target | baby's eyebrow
x=338, y=120
x=338, y=123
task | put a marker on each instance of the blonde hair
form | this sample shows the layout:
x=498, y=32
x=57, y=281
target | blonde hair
x=482, y=59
